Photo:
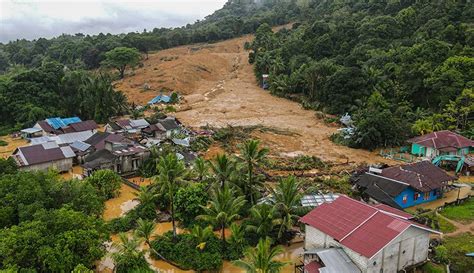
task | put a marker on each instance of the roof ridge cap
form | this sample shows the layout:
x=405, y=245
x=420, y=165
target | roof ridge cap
x=361, y=224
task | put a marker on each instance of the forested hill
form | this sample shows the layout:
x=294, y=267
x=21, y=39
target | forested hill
x=237, y=17
x=401, y=68
x=57, y=77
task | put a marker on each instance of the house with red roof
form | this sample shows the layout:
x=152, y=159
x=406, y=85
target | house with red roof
x=441, y=143
x=374, y=238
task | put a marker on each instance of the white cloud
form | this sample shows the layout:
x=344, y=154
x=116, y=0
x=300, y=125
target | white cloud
x=34, y=18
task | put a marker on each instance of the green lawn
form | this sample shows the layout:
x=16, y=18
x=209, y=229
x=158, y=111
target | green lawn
x=463, y=213
x=458, y=247
x=431, y=267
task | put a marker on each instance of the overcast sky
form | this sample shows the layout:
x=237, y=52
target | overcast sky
x=44, y=18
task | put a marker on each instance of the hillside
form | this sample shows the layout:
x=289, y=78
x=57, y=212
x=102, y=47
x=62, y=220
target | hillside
x=220, y=89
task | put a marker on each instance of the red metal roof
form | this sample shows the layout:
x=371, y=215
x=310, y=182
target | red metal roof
x=312, y=267
x=442, y=140
x=391, y=210
x=84, y=126
x=363, y=228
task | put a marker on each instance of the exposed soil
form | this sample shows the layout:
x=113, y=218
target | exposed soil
x=12, y=144
x=220, y=89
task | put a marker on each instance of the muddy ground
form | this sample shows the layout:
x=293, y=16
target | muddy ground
x=220, y=89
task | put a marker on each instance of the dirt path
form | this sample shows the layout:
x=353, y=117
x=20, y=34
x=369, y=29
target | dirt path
x=220, y=89
x=460, y=228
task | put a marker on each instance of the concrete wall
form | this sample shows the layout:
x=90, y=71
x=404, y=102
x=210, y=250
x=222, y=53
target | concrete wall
x=62, y=165
x=409, y=248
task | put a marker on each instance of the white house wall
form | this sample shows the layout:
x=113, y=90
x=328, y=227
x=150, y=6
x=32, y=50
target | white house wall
x=409, y=248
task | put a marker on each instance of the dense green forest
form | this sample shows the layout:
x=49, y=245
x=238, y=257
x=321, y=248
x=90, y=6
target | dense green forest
x=48, y=77
x=400, y=68
x=237, y=17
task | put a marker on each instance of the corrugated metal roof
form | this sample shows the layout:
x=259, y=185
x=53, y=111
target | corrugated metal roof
x=314, y=200
x=71, y=137
x=67, y=152
x=58, y=122
x=358, y=226
x=39, y=140
x=30, y=130
x=160, y=98
x=81, y=146
x=335, y=260
x=139, y=123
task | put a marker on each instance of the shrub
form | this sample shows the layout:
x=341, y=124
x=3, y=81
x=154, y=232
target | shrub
x=3, y=143
x=187, y=252
x=106, y=182
x=188, y=203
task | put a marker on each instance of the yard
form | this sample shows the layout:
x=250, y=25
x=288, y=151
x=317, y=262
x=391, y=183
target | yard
x=457, y=247
x=463, y=213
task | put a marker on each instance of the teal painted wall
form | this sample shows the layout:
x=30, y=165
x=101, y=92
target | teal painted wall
x=417, y=149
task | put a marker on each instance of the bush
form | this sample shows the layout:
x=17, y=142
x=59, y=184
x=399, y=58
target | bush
x=188, y=203
x=129, y=220
x=187, y=253
x=3, y=143
x=107, y=183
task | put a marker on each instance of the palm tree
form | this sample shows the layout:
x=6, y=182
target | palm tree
x=263, y=220
x=223, y=168
x=171, y=175
x=287, y=201
x=262, y=258
x=201, y=168
x=145, y=196
x=202, y=235
x=222, y=210
x=253, y=156
x=128, y=256
x=145, y=230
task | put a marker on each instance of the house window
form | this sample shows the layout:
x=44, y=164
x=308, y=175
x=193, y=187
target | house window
x=405, y=199
x=119, y=168
x=416, y=196
x=427, y=195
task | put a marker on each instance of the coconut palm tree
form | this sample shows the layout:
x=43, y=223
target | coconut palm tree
x=201, y=168
x=145, y=196
x=128, y=256
x=222, y=210
x=252, y=156
x=262, y=258
x=145, y=230
x=223, y=168
x=263, y=220
x=171, y=174
x=286, y=197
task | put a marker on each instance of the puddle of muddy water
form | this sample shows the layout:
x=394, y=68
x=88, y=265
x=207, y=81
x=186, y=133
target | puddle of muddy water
x=113, y=206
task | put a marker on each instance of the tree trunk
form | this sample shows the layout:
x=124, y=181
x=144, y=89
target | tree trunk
x=172, y=219
x=223, y=238
x=122, y=71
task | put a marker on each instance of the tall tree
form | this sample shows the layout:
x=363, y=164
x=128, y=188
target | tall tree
x=262, y=258
x=287, y=200
x=122, y=57
x=223, y=168
x=222, y=210
x=253, y=156
x=171, y=174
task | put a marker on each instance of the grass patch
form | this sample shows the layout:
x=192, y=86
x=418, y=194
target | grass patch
x=299, y=163
x=431, y=267
x=458, y=247
x=463, y=213
x=435, y=222
x=3, y=143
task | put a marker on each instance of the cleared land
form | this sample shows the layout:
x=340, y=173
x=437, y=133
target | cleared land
x=219, y=89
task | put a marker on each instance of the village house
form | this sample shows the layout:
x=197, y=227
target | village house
x=441, y=143
x=164, y=128
x=405, y=185
x=124, y=158
x=57, y=126
x=43, y=157
x=362, y=238
x=62, y=139
x=131, y=126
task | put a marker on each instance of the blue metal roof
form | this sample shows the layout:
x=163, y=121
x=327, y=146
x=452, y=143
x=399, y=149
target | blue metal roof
x=57, y=123
x=160, y=98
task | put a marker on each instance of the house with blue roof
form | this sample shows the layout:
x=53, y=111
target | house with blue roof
x=160, y=99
